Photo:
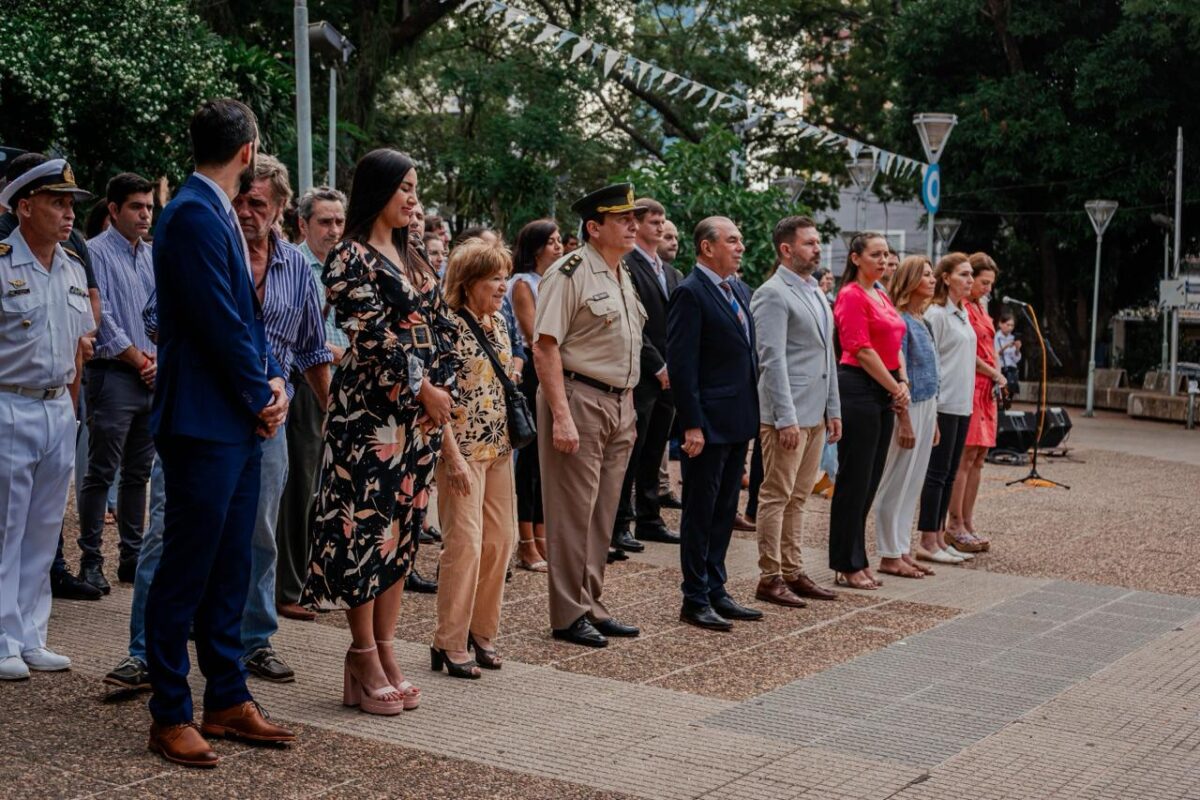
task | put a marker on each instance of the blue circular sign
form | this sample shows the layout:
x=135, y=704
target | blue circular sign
x=931, y=188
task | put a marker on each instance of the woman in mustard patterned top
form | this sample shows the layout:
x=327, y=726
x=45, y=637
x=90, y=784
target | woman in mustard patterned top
x=477, y=498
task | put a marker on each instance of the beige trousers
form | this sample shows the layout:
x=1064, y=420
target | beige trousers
x=580, y=493
x=478, y=533
x=788, y=478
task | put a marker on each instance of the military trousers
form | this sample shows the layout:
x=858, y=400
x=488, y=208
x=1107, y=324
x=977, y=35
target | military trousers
x=580, y=493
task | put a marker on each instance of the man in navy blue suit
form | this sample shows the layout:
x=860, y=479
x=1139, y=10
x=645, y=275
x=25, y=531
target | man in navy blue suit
x=714, y=376
x=219, y=392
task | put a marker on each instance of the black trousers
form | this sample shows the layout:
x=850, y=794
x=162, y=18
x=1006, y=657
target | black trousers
x=639, y=491
x=867, y=423
x=943, y=466
x=528, y=473
x=712, y=482
x=293, y=533
x=756, y=479
x=118, y=420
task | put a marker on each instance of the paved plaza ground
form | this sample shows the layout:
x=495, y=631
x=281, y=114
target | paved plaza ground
x=1063, y=664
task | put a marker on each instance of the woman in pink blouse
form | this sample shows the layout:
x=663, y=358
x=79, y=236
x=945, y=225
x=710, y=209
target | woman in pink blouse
x=872, y=385
x=476, y=499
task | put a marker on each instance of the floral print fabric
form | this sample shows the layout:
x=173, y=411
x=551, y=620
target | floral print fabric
x=379, y=449
x=480, y=419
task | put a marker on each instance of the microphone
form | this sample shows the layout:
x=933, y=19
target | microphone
x=1012, y=301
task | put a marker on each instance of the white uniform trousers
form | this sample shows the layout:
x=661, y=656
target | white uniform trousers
x=903, y=477
x=37, y=456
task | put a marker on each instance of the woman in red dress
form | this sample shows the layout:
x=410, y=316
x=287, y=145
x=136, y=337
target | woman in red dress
x=981, y=431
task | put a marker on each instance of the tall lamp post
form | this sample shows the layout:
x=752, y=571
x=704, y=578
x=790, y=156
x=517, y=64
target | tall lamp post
x=947, y=229
x=304, y=180
x=790, y=185
x=327, y=40
x=1168, y=226
x=863, y=172
x=934, y=130
x=1100, y=212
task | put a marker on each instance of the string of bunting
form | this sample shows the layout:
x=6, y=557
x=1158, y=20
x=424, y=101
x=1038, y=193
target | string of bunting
x=648, y=76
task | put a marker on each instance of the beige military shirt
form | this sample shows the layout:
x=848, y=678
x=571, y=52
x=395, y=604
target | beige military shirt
x=594, y=315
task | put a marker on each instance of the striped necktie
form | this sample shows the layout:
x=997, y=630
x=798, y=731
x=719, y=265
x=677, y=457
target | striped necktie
x=737, y=308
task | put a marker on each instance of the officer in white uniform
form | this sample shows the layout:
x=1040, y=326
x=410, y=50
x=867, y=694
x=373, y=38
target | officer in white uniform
x=44, y=311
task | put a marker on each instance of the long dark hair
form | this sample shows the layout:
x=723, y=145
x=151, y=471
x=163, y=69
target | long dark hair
x=530, y=241
x=376, y=177
x=858, y=245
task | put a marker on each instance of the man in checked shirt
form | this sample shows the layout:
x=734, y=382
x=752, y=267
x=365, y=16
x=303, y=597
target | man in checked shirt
x=291, y=310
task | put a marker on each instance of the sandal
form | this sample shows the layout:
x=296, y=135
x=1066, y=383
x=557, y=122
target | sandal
x=369, y=701
x=965, y=542
x=533, y=566
x=412, y=695
x=465, y=669
x=488, y=659
x=841, y=579
x=909, y=572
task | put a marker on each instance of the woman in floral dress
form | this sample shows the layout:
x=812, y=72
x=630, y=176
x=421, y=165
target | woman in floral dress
x=391, y=397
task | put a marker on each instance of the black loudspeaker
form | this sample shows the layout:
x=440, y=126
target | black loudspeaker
x=1055, y=431
x=1016, y=430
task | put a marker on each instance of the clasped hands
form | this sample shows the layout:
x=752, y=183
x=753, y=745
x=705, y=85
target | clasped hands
x=274, y=413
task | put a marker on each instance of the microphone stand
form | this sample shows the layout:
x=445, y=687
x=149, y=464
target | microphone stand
x=1033, y=478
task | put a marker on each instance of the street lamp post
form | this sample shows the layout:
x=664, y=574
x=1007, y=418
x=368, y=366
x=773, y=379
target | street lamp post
x=304, y=180
x=934, y=130
x=947, y=229
x=863, y=172
x=790, y=185
x=327, y=40
x=1100, y=212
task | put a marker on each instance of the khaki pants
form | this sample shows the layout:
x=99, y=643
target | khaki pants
x=788, y=479
x=478, y=533
x=580, y=493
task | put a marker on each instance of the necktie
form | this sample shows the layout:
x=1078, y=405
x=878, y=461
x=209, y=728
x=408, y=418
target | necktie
x=737, y=308
x=661, y=274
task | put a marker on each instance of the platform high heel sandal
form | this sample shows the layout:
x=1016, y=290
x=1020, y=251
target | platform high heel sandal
x=412, y=695
x=466, y=669
x=369, y=701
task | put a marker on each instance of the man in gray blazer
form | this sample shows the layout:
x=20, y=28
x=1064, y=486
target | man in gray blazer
x=798, y=407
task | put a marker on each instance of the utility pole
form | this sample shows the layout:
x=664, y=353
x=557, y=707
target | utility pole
x=304, y=176
x=1174, y=388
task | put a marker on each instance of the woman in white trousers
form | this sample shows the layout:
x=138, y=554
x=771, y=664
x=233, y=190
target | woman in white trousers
x=916, y=427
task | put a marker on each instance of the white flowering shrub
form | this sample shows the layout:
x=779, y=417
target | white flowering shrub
x=111, y=84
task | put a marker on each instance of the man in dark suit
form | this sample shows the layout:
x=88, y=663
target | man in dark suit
x=219, y=391
x=652, y=400
x=714, y=375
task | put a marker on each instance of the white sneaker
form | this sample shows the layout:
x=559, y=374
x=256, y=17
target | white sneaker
x=41, y=659
x=12, y=668
x=946, y=557
x=960, y=555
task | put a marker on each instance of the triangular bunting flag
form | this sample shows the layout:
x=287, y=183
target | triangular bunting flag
x=695, y=88
x=581, y=47
x=610, y=60
x=548, y=33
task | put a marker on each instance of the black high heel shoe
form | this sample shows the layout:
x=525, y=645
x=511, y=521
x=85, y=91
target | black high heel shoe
x=466, y=669
x=488, y=659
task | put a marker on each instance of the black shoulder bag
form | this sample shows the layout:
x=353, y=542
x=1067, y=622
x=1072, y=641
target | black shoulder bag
x=521, y=426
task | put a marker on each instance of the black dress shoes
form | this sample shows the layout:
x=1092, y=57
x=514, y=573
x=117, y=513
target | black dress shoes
x=93, y=574
x=430, y=535
x=266, y=664
x=615, y=555
x=127, y=570
x=660, y=533
x=705, y=617
x=625, y=541
x=581, y=632
x=415, y=583
x=65, y=586
x=669, y=500
x=729, y=608
x=611, y=627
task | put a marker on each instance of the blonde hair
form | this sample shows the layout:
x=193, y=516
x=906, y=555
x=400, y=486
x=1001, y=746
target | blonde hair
x=470, y=262
x=908, y=275
x=945, y=267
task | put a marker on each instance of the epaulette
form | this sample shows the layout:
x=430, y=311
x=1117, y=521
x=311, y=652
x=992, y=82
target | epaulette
x=5, y=249
x=73, y=254
x=571, y=265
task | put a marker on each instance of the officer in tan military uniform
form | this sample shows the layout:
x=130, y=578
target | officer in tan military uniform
x=587, y=345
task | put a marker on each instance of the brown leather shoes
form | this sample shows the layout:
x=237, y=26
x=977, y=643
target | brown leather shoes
x=295, y=611
x=246, y=722
x=774, y=590
x=803, y=586
x=182, y=744
x=743, y=523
